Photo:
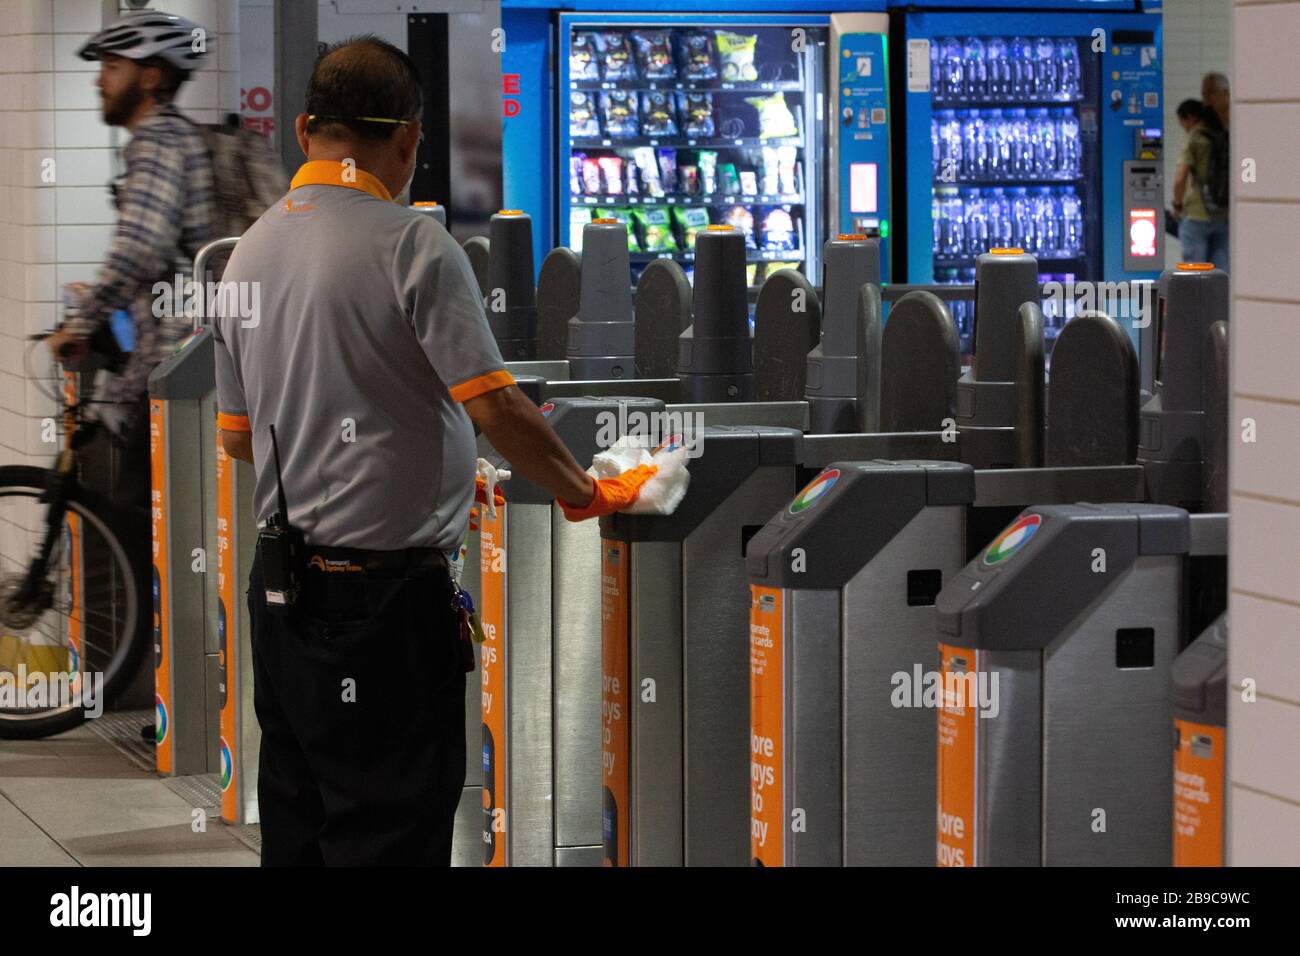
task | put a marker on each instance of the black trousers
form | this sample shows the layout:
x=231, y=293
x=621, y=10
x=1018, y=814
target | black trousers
x=360, y=695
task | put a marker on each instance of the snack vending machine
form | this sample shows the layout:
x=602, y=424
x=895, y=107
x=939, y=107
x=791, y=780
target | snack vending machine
x=1038, y=130
x=672, y=123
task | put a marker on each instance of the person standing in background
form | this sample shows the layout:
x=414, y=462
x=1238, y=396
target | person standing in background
x=1216, y=94
x=1202, y=232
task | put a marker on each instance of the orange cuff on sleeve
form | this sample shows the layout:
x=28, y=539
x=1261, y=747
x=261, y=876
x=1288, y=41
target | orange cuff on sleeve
x=481, y=385
x=233, y=423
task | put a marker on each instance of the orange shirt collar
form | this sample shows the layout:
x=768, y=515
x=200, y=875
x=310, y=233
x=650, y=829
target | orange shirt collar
x=328, y=172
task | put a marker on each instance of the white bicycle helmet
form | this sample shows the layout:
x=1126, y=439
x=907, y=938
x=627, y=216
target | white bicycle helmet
x=149, y=33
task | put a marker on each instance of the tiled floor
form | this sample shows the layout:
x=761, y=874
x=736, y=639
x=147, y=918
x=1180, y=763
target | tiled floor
x=76, y=800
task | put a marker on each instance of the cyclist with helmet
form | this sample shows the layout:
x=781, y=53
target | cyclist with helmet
x=164, y=215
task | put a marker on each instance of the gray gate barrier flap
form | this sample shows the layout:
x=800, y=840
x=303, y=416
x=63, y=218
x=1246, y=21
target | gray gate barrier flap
x=511, y=298
x=1056, y=649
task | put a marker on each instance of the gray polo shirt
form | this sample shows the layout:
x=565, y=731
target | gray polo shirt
x=368, y=334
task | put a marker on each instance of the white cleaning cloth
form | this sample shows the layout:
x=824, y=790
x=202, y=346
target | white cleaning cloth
x=661, y=494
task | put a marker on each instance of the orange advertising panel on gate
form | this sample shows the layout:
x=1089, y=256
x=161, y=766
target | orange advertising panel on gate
x=1198, y=794
x=958, y=749
x=492, y=610
x=227, y=669
x=766, y=727
x=161, y=629
x=615, y=654
x=76, y=575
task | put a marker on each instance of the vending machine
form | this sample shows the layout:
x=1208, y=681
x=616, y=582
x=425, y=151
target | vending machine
x=674, y=123
x=671, y=120
x=1036, y=129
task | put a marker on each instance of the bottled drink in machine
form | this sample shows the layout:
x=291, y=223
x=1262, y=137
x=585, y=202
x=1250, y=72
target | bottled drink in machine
x=1005, y=132
x=976, y=70
x=998, y=68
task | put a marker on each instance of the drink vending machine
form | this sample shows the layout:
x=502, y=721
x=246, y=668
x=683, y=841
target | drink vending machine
x=1037, y=130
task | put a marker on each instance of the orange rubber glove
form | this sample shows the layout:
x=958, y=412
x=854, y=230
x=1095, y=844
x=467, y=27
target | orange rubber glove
x=480, y=496
x=612, y=494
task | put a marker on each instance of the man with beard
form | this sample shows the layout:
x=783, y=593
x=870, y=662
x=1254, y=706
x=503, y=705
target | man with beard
x=164, y=216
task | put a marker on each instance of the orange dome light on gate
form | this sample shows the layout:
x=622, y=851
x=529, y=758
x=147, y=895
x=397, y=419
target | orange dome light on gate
x=850, y=236
x=1195, y=266
x=1006, y=252
x=510, y=212
x=720, y=227
x=424, y=204
x=605, y=222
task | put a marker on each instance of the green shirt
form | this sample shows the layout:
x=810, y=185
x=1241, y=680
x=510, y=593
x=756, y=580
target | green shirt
x=1196, y=157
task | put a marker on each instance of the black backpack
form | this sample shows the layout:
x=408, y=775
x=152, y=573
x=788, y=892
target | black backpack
x=1214, y=184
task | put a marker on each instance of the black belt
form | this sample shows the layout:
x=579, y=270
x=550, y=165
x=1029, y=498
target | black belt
x=331, y=560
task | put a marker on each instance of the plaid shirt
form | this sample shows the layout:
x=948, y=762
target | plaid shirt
x=164, y=205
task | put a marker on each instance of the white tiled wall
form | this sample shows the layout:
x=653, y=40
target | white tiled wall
x=1197, y=40
x=1264, y=735
x=52, y=232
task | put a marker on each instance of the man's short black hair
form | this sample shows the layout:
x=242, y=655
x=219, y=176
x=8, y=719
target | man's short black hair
x=362, y=76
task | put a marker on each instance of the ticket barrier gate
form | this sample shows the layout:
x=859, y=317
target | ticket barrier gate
x=1053, y=741
x=1199, y=692
x=563, y=287
x=841, y=626
x=539, y=672
x=672, y=662
x=182, y=440
x=234, y=539
x=673, y=626
x=536, y=603
x=549, y=380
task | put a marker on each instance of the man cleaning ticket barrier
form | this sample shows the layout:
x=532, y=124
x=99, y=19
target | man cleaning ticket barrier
x=1199, y=692
x=1056, y=649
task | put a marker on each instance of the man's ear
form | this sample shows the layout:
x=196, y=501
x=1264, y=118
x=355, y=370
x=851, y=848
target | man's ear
x=151, y=80
x=300, y=131
x=412, y=141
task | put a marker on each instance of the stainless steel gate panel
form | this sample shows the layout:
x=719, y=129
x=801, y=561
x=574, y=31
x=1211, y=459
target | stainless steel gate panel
x=576, y=707
x=889, y=751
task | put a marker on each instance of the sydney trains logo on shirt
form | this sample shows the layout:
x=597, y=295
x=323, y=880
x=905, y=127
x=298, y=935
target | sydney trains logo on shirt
x=547, y=409
x=227, y=765
x=814, y=492
x=1013, y=539
x=160, y=720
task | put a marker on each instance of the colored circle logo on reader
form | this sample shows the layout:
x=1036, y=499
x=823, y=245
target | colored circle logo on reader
x=671, y=443
x=160, y=720
x=815, y=490
x=546, y=409
x=1015, y=537
x=227, y=765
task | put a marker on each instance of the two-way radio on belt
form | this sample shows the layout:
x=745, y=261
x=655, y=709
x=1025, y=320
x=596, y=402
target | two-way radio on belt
x=280, y=548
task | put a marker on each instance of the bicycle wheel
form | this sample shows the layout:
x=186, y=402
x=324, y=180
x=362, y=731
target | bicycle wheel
x=69, y=653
